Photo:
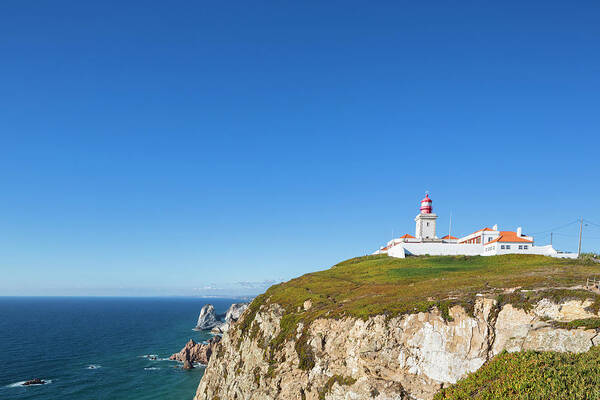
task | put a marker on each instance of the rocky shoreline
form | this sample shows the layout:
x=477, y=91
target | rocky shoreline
x=197, y=352
x=194, y=352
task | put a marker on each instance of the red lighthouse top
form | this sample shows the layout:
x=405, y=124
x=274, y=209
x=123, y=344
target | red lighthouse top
x=426, y=207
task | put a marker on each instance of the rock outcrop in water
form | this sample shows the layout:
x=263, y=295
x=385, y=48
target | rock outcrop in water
x=233, y=314
x=35, y=381
x=235, y=311
x=410, y=356
x=197, y=352
x=207, y=318
x=187, y=364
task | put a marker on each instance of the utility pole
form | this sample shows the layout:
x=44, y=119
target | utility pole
x=580, y=233
x=450, y=227
x=551, y=238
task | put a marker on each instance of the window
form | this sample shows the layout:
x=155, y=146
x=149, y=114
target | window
x=502, y=247
x=525, y=247
x=489, y=239
x=428, y=224
x=507, y=246
x=520, y=247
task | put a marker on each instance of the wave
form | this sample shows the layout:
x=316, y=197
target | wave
x=93, y=366
x=155, y=357
x=21, y=384
x=151, y=368
x=152, y=357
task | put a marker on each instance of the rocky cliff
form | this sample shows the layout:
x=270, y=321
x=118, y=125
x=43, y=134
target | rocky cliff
x=309, y=352
x=407, y=357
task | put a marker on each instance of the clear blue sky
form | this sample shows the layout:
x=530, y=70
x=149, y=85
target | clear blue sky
x=214, y=147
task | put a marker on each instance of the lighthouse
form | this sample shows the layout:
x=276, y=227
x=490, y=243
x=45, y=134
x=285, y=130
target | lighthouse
x=425, y=220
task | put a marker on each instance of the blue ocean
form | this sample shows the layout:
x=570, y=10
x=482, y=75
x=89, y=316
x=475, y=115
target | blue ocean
x=98, y=348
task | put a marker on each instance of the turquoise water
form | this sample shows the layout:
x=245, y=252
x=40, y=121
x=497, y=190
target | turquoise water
x=58, y=339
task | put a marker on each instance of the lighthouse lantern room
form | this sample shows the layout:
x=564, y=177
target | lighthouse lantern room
x=425, y=229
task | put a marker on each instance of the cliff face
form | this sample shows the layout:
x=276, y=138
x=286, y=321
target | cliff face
x=410, y=356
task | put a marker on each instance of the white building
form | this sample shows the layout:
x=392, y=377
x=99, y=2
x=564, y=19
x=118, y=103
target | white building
x=484, y=242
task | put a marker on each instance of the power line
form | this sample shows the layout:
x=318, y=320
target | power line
x=573, y=236
x=556, y=228
x=593, y=223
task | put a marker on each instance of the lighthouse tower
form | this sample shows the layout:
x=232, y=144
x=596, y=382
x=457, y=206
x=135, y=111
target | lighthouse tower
x=425, y=221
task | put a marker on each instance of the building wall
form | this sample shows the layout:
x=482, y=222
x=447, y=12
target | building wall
x=488, y=236
x=483, y=236
x=425, y=226
x=448, y=249
x=435, y=249
x=496, y=249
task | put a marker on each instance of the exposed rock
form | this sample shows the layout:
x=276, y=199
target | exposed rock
x=307, y=305
x=235, y=311
x=518, y=330
x=233, y=314
x=197, y=352
x=207, y=318
x=220, y=329
x=567, y=311
x=187, y=365
x=35, y=381
x=405, y=357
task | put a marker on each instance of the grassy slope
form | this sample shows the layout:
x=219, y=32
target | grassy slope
x=371, y=285
x=366, y=286
x=532, y=375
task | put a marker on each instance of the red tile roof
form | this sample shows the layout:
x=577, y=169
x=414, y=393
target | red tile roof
x=407, y=236
x=481, y=230
x=449, y=237
x=510, y=237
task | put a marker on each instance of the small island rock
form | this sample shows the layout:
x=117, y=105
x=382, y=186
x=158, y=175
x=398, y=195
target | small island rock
x=35, y=381
x=187, y=365
x=207, y=318
x=197, y=352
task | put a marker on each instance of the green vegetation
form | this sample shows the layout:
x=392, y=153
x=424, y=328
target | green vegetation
x=340, y=380
x=256, y=373
x=589, y=258
x=588, y=323
x=532, y=375
x=366, y=286
x=305, y=353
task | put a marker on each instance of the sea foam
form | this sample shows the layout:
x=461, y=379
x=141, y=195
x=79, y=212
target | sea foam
x=21, y=384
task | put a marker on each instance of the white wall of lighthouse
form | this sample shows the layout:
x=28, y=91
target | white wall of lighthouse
x=425, y=220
